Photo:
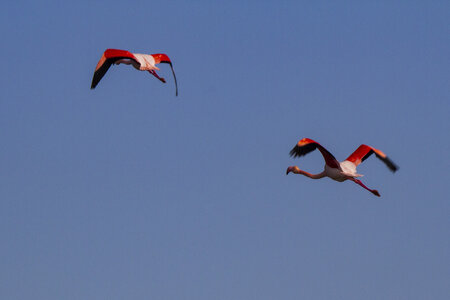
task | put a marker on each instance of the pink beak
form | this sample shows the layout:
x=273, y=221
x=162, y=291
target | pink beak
x=289, y=169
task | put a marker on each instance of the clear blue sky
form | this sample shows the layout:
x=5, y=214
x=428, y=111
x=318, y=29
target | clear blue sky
x=128, y=192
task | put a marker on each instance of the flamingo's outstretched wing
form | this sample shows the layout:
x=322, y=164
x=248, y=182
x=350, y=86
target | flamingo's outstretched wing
x=363, y=152
x=163, y=58
x=304, y=146
x=108, y=58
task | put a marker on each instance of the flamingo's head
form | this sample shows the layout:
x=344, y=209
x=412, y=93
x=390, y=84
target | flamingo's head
x=292, y=169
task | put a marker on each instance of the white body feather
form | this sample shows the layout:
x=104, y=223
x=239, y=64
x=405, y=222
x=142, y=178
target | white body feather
x=347, y=169
x=146, y=62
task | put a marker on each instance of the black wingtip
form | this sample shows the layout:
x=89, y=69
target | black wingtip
x=390, y=164
x=175, y=79
x=174, y=76
x=298, y=151
x=295, y=151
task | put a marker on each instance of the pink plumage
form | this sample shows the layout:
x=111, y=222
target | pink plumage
x=339, y=171
x=141, y=62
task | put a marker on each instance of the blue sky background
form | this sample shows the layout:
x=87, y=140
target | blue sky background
x=128, y=192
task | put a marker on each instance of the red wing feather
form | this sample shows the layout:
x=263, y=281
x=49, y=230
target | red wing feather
x=304, y=146
x=363, y=152
x=107, y=59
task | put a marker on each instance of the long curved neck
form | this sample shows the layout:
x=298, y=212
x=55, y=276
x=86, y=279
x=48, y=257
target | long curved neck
x=312, y=176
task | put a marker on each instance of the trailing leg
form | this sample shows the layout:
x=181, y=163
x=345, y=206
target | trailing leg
x=357, y=181
x=156, y=75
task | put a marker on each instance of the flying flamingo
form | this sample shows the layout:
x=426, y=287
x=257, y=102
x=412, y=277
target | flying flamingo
x=339, y=171
x=142, y=62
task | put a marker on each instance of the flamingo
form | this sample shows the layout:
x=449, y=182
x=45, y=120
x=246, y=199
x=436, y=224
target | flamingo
x=142, y=62
x=339, y=171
